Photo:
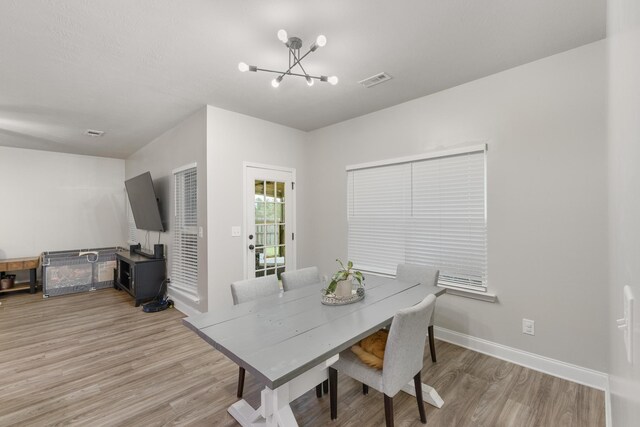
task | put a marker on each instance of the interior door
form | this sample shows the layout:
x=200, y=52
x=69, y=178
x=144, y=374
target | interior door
x=270, y=221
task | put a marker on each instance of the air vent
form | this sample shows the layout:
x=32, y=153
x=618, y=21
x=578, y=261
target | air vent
x=93, y=132
x=375, y=80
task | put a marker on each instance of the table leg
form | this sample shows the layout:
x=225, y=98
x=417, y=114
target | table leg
x=429, y=394
x=274, y=407
x=32, y=281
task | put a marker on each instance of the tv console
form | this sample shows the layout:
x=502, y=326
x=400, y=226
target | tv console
x=140, y=275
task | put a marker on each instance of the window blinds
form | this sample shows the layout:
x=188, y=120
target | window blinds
x=132, y=231
x=184, y=264
x=424, y=211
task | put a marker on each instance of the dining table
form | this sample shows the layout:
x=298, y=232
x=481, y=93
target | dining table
x=288, y=340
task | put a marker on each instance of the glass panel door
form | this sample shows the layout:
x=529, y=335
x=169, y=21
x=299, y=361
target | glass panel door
x=270, y=222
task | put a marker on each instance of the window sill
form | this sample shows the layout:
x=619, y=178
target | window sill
x=184, y=292
x=466, y=293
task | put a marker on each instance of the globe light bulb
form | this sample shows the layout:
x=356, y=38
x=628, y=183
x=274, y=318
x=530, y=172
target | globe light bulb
x=309, y=81
x=321, y=40
x=243, y=67
x=276, y=82
x=333, y=80
x=282, y=36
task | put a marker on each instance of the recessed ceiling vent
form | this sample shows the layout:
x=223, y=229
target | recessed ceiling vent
x=93, y=132
x=375, y=80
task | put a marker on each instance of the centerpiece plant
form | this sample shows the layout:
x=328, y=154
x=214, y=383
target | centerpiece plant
x=342, y=281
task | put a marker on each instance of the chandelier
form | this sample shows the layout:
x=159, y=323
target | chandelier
x=293, y=44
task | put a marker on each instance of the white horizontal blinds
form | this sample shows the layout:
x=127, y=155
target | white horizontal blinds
x=447, y=229
x=132, y=231
x=379, y=203
x=184, y=271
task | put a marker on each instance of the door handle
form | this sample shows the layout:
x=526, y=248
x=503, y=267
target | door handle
x=250, y=236
x=251, y=247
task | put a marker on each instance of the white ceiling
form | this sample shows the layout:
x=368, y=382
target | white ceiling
x=135, y=68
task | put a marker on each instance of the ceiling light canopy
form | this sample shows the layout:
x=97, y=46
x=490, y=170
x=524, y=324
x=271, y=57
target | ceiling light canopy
x=294, y=44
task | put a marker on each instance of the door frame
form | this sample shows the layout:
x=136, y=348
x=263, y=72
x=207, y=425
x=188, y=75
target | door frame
x=245, y=196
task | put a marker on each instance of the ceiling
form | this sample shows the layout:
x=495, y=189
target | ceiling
x=135, y=68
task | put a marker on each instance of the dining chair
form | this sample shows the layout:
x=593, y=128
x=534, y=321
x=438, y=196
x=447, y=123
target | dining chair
x=403, y=357
x=426, y=276
x=248, y=290
x=299, y=278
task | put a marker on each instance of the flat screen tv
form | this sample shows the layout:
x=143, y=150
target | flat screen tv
x=144, y=203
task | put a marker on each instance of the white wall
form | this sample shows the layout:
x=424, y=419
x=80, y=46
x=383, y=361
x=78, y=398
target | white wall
x=544, y=123
x=624, y=198
x=55, y=201
x=232, y=139
x=179, y=146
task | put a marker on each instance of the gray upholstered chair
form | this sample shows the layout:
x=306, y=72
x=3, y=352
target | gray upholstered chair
x=402, y=360
x=426, y=276
x=248, y=290
x=299, y=278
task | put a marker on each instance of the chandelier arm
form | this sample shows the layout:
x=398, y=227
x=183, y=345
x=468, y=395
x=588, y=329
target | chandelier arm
x=298, y=61
x=289, y=73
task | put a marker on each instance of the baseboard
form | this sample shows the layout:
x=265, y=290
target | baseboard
x=557, y=368
x=182, y=307
x=607, y=405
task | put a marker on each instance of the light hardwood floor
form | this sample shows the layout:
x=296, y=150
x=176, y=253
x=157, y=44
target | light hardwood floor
x=93, y=359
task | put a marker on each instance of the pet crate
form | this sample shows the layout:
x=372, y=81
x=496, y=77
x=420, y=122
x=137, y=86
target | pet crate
x=66, y=272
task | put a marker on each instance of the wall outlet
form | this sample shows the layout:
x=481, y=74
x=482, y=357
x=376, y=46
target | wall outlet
x=528, y=327
x=236, y=231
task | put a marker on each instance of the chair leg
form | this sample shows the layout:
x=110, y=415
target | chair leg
x=325, y=386
x=333, y=392
x=365, y=389
x=319, y=391
x=388, y=410
x=240, y=381
x=432, y=344
x=417, y=382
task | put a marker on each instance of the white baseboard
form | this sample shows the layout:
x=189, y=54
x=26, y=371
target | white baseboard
x=557, y=368
x=607, y=405
x=182, y=307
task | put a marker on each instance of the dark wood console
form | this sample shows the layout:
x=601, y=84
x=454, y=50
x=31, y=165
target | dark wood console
x=140, y=276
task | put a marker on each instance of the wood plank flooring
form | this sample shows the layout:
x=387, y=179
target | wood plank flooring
x=93, y=359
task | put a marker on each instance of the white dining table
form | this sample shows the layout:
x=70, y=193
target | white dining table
x=288, y=341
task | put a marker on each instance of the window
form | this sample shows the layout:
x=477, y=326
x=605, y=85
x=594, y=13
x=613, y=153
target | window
x=132, y=231
x=184, y=253
x=428, y=210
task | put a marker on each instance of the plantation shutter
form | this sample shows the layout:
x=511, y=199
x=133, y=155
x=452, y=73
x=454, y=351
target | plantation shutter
x=184, y=264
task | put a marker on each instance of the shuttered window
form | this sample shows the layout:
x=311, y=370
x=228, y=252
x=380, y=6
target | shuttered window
x=423, y=210
x=184, y=259
x=132, y=231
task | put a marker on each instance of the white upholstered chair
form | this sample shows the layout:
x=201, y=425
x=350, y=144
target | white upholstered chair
x=426, y=276
x=402, y=360
x=248, y=290
x=299, y=278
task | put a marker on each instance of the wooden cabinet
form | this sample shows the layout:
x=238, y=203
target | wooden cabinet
x=18, y=264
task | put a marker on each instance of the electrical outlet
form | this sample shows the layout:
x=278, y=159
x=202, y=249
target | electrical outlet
x=528, y=327
x=236, y=231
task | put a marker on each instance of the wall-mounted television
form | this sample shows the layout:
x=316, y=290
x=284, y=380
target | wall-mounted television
x=144, y=203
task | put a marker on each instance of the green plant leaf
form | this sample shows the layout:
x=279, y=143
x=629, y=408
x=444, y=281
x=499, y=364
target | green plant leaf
x=350, y=265
x=332, y=287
